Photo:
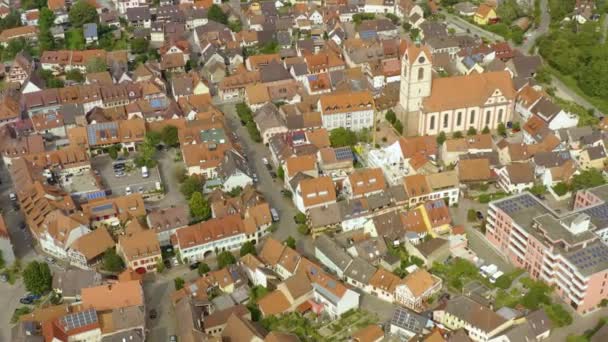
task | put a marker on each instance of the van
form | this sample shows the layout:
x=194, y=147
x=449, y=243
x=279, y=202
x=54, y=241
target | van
x=144, y=172
x=495, y=276
x=275, y=214
x=488, y=271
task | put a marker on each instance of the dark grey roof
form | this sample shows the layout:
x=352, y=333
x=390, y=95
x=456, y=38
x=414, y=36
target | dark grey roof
x=353, y=208
x=274, y=71
x=70, y=111
x=138, y=13
x=330, y=249
x=300, y=69
x=305, y=44
x=551, y=159
x=538, y=322
x=360, y=270
x=70, y=282
x=545, y=109
x=526, y=66
x=284, y=38
x=433, y=29
x=592, y=138
x=596, y=152
x=378, y=200
x=233, y=163
x=284, y=53
x=389, y=225
x=491, y=156
x=267, y=36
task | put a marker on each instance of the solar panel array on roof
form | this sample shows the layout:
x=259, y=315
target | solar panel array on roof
x=512, y=205
x=157, y=103
x=92, y=130
x=79, y=319
x=102, y=207
x=590, y=256
x=96, y=194
x=599, y=212
x=344, y=153
x=405, y=319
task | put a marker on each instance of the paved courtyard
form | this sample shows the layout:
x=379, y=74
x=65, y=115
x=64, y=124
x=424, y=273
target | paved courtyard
x=132, y=178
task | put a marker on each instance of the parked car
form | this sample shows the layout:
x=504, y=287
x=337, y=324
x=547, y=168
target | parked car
x=255, y=178
x=3, y=278
x=12, y=197
x=50, y=260
x=273, y=175
x=167, y=263
x=172, y=338
x=194, y=266
x=29, y=298
x=128, y=190
x=144, y=172
x=265, y=161
x=479, y=215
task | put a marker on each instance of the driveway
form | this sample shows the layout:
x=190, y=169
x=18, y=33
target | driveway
x=477, y=241
x=9, y=301
x=166, y=167
x=270, y=188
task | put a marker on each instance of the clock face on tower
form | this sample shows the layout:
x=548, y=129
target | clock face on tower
x=421, y=59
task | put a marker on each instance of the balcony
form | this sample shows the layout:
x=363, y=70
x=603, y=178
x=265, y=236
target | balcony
x=516, y=251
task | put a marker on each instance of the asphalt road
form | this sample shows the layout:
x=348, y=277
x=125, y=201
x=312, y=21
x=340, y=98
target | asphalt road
x=542, y=29
x=468, y=27
x=270, y=188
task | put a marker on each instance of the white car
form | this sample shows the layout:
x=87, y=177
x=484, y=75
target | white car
x=128, y=190
x=12, y=197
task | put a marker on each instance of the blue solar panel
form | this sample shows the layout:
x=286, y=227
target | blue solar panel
x=157, y=103
x=101, y=127
x=344, y=153
x=312, y=77
x=96, y=194
x=102, y=207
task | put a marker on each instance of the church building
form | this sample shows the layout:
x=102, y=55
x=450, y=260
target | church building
x=430, y=105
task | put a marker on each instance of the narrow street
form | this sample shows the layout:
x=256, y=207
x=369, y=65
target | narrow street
x=542, y=29
x=270, y=188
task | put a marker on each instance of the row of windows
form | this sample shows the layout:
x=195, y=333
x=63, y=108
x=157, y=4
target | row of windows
x=446, y=119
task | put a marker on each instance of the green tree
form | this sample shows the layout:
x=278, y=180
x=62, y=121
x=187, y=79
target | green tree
x=398, y=126
x=471, y=131
x=360, y=17
x=281, y=172
x=390, y=116
x=300, y=218
x=111, y=261
x=224, y=259
x=74, y=75
x=113, y=151
x=441, y=138
x=303, y=229
x=561, y=188
x=501, y=129
x=96, y=64
x=538, y=189
x=248, y=248
x=414, y=34
x=179, y=283
x=587, y=179
x=160, y=266
x=203, y=269
x=12, y=20
x=216, y=13
x=140, y=45
x=457, y=135
x=558, y=315
x=254, y=133
x=169, y=135
x=37, y=277
x=46, y=19
x=74, y=39
x=235, y=26
x=290, y=242
x=516, y=126
x=485, y=130
x=199, y=206
x=191, y=185
x=340, y=137
x=82, y=13
x=2, y=261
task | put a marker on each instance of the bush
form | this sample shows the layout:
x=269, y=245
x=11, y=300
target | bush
x=471, y=131
x=247, y=248
x=112, y=262
x=290, y=242
x=37, y=277
x=484, y=198
x=303, y=229
x=179, y=283
x=471, y=215
x=224, y=259
x=561, y=188
x=203, y=269
x=300, y=218
x=398, y=126
x=390, y=116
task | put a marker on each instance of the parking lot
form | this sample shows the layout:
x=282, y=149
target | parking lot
x=132, y=177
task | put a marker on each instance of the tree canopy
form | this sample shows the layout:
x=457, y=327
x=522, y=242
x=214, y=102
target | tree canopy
x=169, y=135
x=82, y=13
x=199, y=206
x=224, y=259
x=248, y=248
x=96, y=64
x=216, y=13
x=37, y=277
x=587, y=179
x=340, y=137
x=112, y=262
